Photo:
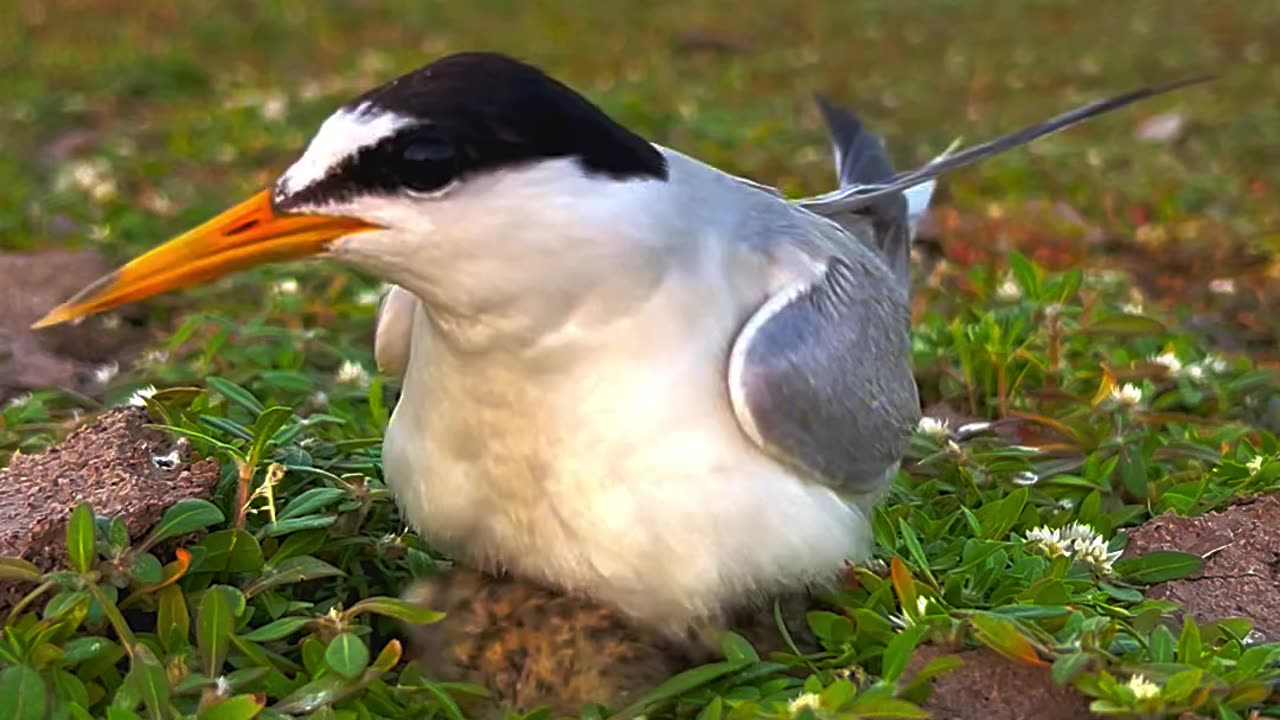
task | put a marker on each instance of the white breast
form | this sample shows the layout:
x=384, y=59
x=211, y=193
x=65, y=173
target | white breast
x=609, y=461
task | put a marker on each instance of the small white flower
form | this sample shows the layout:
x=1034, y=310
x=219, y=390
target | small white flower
x=139, y=397
x=1008, y=290
x=1066, y=504
x=1169, y=360
x=274, y=106
x=936, y=428
x=1049, y=541
x=1132, y=308
x=1093, y=552
x=155, y=357
x=353, y=373
x=18, y=401
x=1143, y=689
x=809, y=701
x=318, y=399
x=1255, y=464
x=104, y=374
x=1215, y=363
x=1195, y=372
x=1127, y=395
x=91, y=177
x=222, y=686
x=288, y=286
x=368, y=297
x=1222, y=286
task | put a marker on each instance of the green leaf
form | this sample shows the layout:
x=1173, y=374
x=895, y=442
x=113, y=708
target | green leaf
x=310, y=501
x=149, y=682
x=1162, y=645
x=736, y=647
x=388, y=657
x=1068, y=667
x=1003, y=636
x=146, y=568
x=236, y=394
x=299, y=524
x=276, y=630
x=231, y=551
x=682, y=683
x=173, y=620
x=265, y=428
x=118, y=535
x=1125, y=325
x=183, y=517
x=1180, y=685
x=84, y=649
x=213, y=633
x=1159, y=566
x=347, y=655
x=1189, y=644
x=16, y=570
x=1025, y=274
x=314, y=695
x=396, y=608
x=292, y=570
x=24, y=693
x=80, y=540
x=239, y=707
x=899, y=651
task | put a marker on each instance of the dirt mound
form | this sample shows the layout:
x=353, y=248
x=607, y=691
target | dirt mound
x=123, y=468
x=1241, y=575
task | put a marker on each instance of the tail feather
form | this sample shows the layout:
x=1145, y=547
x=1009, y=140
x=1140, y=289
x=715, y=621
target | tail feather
x=894, y=202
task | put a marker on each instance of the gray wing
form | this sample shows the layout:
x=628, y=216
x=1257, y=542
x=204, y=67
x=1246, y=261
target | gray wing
x=820, y=377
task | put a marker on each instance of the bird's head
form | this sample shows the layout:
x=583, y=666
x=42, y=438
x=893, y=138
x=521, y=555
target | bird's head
x=447, y=170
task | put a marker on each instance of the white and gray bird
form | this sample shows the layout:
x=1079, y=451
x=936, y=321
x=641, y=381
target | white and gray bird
x=625, y=372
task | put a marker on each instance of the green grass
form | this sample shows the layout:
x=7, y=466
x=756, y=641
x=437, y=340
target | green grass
x=188, y=108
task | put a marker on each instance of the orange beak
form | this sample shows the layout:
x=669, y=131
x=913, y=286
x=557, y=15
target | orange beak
x=246, y=235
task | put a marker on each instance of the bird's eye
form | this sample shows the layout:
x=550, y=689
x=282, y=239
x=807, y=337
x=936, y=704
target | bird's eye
x=426, y=163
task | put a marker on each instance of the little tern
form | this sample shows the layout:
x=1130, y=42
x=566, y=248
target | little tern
x=625, y=373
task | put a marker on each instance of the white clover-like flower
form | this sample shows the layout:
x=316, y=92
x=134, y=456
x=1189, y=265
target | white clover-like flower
x=104, y=374
x=1008, y=290
x=287, y=286
x=810, y=701
x=1169, y=360
x=1047, y=540
x=1133, y=308
x=1215, y=363
x=352, y=373
x=1143, y=689
x=222, y=686
x=1127, y=395
x=18, y=401
x=1093, y=552
x=139, y=396
x=936, y=428
x=91, y=177
x=1194, y=372
x=1078, y=531
x=1254, y=465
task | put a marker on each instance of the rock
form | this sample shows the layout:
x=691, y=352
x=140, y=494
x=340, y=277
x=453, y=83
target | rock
x=1241, y=574
x=121, y=467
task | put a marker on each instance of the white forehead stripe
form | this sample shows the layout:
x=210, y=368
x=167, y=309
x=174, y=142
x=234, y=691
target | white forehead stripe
x=342, y=135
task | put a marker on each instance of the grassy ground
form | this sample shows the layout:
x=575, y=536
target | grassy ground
x=125, y=123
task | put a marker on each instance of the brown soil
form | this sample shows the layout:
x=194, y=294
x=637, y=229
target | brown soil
x=989, y=687
x=121, y=467
x=62, y=356
x=1241, y=576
